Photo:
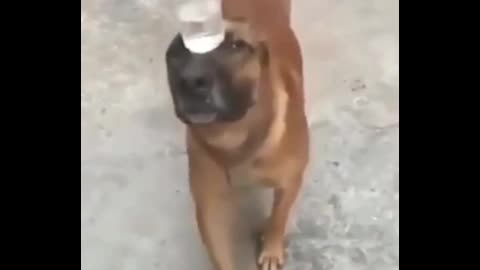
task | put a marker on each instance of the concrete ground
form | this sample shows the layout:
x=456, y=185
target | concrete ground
x=136, y=212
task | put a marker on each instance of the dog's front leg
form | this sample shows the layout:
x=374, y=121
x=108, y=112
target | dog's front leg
x=214, y=206
x=272, y=253
x=214, y=223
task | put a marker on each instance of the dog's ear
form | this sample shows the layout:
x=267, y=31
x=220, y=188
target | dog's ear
x=261, y=40
x=263, y=53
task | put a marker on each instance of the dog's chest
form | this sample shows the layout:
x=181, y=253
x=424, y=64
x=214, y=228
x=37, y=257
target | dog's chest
x=247, y=174
x=242, y=175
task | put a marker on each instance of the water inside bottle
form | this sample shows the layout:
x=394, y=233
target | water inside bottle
x=201, y=25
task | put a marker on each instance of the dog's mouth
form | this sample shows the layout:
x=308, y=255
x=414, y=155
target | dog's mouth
x=192, y=112
x=201, y=118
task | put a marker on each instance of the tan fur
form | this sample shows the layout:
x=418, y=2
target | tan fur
x=268, y=147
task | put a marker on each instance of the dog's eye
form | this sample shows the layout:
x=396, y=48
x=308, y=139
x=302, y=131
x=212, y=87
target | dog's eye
x=238, y=44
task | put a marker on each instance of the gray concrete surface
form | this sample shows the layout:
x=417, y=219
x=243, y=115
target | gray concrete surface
x=135, y=207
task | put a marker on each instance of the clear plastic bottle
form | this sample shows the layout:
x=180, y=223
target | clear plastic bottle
x=201, y=24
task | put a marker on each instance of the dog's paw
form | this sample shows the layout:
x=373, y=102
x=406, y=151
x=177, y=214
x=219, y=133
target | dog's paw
x=272, y=257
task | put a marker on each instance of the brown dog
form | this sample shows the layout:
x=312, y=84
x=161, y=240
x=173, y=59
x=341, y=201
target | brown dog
x=243, y=105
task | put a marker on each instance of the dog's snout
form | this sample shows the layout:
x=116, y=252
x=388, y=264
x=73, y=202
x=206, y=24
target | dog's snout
x=198, y=82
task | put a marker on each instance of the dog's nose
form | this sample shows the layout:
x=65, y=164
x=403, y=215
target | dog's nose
x=198, y=83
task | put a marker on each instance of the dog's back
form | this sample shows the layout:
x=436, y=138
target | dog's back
x=281, y=12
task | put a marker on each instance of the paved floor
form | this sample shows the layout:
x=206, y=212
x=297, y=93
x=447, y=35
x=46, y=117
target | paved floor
x=136, y=211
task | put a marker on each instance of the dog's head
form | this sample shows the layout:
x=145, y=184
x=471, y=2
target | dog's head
x=218, y=86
